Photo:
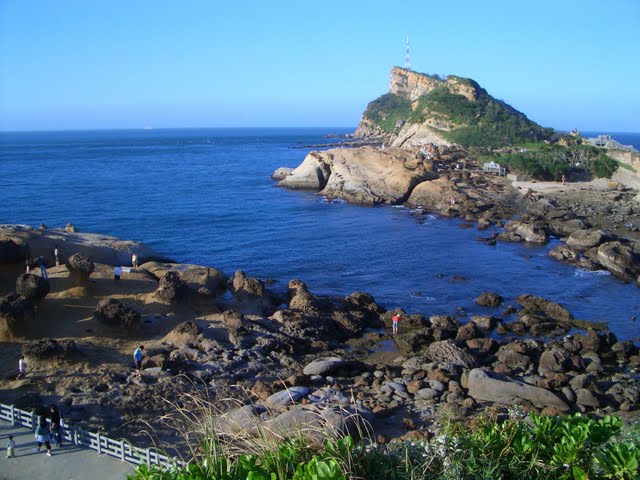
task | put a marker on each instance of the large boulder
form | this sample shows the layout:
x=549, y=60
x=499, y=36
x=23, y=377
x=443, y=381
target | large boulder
x=311, y=174
x=537, y=305
x=324, y=366
x=172, y=289
x=488, y=386
x=447, y=351
x=489, y=299
x=80, y=268
x=619, y=260
x=202, y=280
x=15, y=311
x=32, y=287
x=286, y=397
x=114, y=313
x=586, y=239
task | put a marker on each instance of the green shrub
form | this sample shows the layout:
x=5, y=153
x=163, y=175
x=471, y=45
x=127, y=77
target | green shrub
x=388, y=110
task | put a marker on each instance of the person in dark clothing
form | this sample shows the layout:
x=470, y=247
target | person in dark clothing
x=56, y=425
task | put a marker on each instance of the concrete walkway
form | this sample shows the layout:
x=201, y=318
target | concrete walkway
x=67, y=463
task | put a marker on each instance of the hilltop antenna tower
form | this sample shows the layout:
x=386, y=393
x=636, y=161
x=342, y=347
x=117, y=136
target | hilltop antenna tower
x=407, y=60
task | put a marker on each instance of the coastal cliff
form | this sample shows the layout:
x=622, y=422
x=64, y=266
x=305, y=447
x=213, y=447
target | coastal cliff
x=422, y=108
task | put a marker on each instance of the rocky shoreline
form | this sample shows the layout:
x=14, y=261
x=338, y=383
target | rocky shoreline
x=598, y=222
x=290, y=359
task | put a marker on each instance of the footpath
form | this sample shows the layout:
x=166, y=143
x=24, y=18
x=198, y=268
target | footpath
x=70, y=462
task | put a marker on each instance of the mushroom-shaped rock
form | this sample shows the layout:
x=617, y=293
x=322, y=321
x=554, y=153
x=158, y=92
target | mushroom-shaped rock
x=80, y=268
x=49, y=349
x=489, y=299
x=172, y=289
x=11, y=252
x=114, y=313
x=492, y=387
x=32, y=287
x=15, y=310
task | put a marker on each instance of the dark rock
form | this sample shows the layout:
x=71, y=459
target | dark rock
x=513, y=360
x=15, y=311
x=80, y=268
x=172, y=289
x=467, y=332
x=551, y=309
x=11, y=252
x=489, y=299
x=447, y=351
x=563, y=253
x=411, y=342
x=32, y=287
x=49, y=349
x=554, y=361
x=113, y=313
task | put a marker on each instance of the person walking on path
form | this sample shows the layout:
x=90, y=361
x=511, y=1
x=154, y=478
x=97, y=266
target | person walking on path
x=396, y=320
x=134, y=260
x=43, y=268
x=11, y=447
x=43, y=435
x=22, y=368
x=137, y=358
x=57, y=257
x=56, y=425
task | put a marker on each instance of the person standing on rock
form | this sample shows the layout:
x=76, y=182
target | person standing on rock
x=43, y=268
x=137, y=358
x=395, y=321
x=43, y=435
x=134, y=260
x=11, y=447
x=56, y=425
x=117, y=271
x=22, y=368
x=56, y=256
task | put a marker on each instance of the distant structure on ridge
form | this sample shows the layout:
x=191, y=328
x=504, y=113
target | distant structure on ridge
x=407, y=59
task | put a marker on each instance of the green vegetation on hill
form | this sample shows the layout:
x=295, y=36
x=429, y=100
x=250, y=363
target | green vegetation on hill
x=388, y=111
x=550, y=162
x=485, y=122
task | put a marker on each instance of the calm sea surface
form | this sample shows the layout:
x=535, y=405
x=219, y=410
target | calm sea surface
x=205, y=196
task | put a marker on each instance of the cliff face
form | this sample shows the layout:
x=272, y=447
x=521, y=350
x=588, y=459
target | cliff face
x=412, y=85
x=421, y=108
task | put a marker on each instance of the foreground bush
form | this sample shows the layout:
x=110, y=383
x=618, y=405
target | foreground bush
x=539, y=447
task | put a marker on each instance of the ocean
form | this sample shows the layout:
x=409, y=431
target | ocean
x=205, y=196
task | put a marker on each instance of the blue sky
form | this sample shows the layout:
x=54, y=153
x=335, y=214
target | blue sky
x=75, y=64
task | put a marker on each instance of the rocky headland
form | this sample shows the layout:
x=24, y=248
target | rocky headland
x=276, y=361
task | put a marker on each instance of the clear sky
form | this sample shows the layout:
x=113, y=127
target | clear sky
x=76, y=64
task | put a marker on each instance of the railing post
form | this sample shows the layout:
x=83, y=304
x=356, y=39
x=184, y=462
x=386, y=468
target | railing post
x=148, y=457
x=13, y=415
x=99, y=446
x=122, y=450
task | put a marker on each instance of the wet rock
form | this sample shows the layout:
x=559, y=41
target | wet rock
x=488, y=386
x=489, y=299
x=32, y=287
x=411, y=342
x=172, y=289
x=49, y=349
x=448, y=352
x=113, y=313
x=563, y=253
x=548, y=308
x=80, y=268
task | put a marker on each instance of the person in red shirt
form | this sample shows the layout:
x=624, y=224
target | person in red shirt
x=396, y=320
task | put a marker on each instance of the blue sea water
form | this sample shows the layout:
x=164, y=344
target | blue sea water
x=205, y=196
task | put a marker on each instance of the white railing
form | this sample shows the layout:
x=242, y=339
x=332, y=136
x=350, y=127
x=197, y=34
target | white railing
x=120, y=449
